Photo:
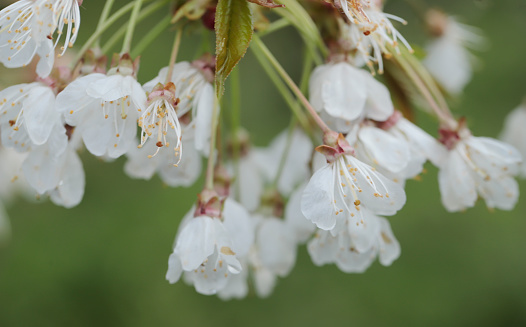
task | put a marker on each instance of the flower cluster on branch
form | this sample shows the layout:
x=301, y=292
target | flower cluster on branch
x=329, y=180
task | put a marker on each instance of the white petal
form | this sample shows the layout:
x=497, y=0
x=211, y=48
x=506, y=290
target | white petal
x=457, y=187
x=277, y=250
x=300, y=227
x=203, y=118
x=175, y=269
x=196, y=242
x=344, y=93
x=389, y=248
x=323, y=248
x=40, y=114
x=383, y=149
x=317, y=202
x=379, y=106
x=70, y=188
x=239, y=227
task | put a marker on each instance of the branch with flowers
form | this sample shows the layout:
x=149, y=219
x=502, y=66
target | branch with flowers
x=329, y=180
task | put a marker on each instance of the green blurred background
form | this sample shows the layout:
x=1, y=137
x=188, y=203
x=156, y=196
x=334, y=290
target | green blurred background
x=103, y=262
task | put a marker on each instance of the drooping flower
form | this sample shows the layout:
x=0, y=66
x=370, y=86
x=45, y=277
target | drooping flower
x=209, y=245
x=348, y=95
x=27, y=115
x=104, y=108
x=161, y=118
x=396, y=147
x=477, y=166
x=193, y=86
x=185, y=174
x=55, y=169
x=297, y=149
x=371, y=30
x=448, y=57
x=354, y=248
x=514, y=132
x=344, y=185
x=27, y=27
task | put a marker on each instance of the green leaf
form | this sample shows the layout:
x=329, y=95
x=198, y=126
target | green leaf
x=234, y=28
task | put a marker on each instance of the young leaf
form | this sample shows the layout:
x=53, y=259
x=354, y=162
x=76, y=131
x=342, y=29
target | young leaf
x=234, y=28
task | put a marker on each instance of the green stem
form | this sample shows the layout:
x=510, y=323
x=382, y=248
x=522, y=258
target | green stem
x=209, y=183
x=275, y=26
x=260, y=46
x=173, y=55
x=151, y=36
x=126, y=46
x=103, y=16
x=284, y=155
x=444, y=116
x=120, y=32
x=283, y=89
x=121, y=12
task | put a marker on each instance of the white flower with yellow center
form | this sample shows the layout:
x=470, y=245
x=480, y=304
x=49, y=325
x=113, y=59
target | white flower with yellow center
x=371, y=30
x=478, y=166
x=354, y=248
x=103, y=108
x=27, y=115
x=27, y=27
x=161, y=118
x=193, y=87
x=343, y=185
x=208, y=248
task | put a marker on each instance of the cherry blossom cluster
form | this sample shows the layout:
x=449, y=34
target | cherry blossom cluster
x=329, y=181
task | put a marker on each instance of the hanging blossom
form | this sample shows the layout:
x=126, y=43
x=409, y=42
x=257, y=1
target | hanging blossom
x=396, y=147
x=348, y=95
x=188, y=169
x=28, y=114
x=294, y=148
x=209, y=244
x=344, y=184
x=371, y=30
x=104, y=107
x=354, y=248
x=27, y=27
x=55, y=169
x=477, y=166
x=195, y=91
x=274, y=250
x=160, y=118
x=514, y=132
x=448, y=57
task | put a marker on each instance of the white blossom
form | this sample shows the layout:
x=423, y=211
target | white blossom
x=349, y=95
x=27, y=115
x=372, y=30
x=161, y=119
x=396, y=147
x=354, y=248
x=448, y=57
x=343, y=185
x=27, y=27
x=297, y=149
x=479, y=166
x=514, y=132
x=104, y=109
x=142, y=166
x=207, y=249
x=196, y=95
